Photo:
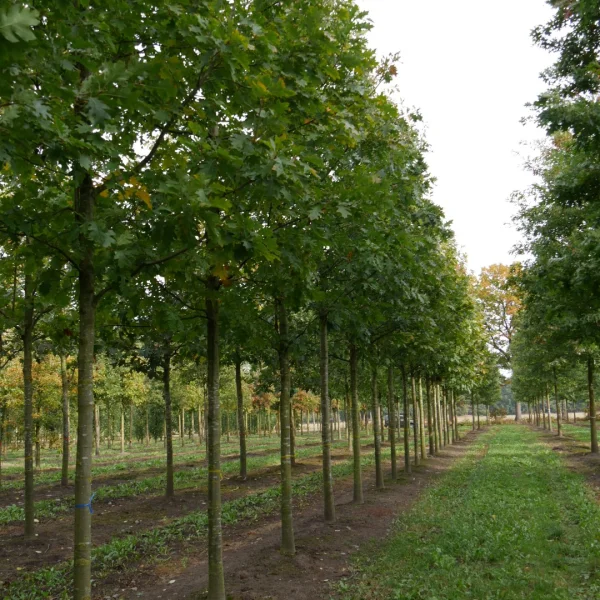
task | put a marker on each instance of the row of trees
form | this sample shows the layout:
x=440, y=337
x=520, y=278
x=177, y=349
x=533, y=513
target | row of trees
x=224, y=183
x=556, y=344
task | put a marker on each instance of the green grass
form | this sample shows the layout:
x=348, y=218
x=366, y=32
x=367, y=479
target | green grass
x=184, y=479
x=514, y=523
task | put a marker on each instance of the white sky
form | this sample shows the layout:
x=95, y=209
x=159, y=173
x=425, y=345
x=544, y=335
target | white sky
x=470, y=67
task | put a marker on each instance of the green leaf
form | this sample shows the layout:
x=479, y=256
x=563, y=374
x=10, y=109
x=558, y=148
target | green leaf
x=16, y=23
x=97, y=110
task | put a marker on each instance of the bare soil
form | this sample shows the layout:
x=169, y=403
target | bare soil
x=254, y=567
x=119, y=518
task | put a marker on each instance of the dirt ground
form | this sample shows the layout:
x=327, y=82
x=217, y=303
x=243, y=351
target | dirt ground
x=254, y=568
x=119, y=518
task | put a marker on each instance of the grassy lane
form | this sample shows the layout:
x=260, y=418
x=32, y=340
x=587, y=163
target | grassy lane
x=508, y=522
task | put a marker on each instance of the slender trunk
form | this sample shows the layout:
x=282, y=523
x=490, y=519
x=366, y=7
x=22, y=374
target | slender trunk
x=517, y=411
x=64, y=479
x=240, y=416
x=547, y=407
x=97, y=426
x=216, y=578
x=199, y=425
x=593, y=433
x=430, y=429
x=122, y=429
x=422, y=421
x=293, y=434
x=109, y=424
x=147, y=436
x=558, y=423
x=84, y=209
x=478, y=419
x=376, y=431
x=358, y=489
x=328, y=499
x=407, y=468
x=392, y=417
x=288, y=546
x=130, y=440
x=415, y=418
x=181, y=427
x=38, y=439
x=2, y=430
x=435, y=414
x=438, y=417
x=347, y=410
x=168, y=422
x=473, y=410
x=28, y=324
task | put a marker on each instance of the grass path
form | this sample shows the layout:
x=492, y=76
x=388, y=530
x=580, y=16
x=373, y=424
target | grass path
x=508, y=522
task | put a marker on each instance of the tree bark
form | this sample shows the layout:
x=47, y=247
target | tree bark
x=547, y=398
x=288, y=546
x=98, y=429
x=558, y=419
x=328, y=498
x=28, y=324
x=64, y=478
x=168, y=421
x=592, y=410
x=422, y=421
x=84, y=210
x=130, y=440
x=430, y=427
x=216, y=578
x=240, y=417
x=393, y=418
x=376, y=432
x=517, y=411
x=122, y=429
x=407, y=468
x=415, y=417
x=358, y=488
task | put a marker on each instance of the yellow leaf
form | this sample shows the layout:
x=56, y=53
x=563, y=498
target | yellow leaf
x=104, y=194
x=144, y=196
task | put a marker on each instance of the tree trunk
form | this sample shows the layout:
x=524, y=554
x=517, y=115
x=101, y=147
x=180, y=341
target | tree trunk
x=288, y=546
x=64, y=478
x=558, y=411
x=84, y=211
x=147, y=424
x=97, y=426
x=358, y=489
x=130, y=440
x=168, y=421
x=293, y=434
x=392, y=417
x=422, y=421
x=28, y=324
x=547, y=399
x=407, y=468
x=517, y=411
x=376, y=431
x=328, y=499
x=473, y=410
x=430, y=428
x=593, y=432
x=122, y=429
x=181, y=427
x=415, y=418
x=240, y=417
x=347, y=411
x=216, y=579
